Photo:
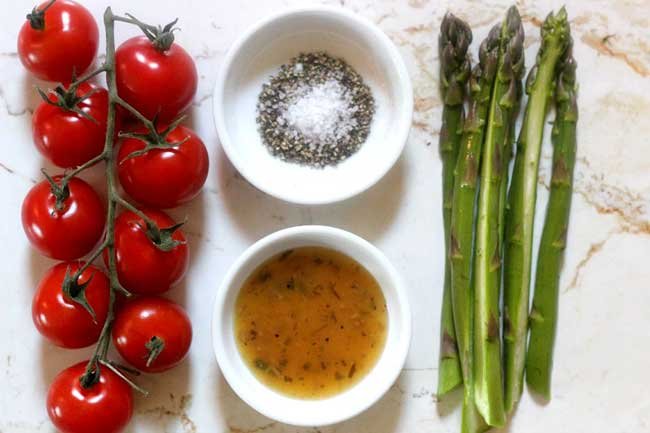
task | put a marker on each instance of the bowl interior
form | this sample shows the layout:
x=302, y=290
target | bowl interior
x=261, y=54
x=338, y=407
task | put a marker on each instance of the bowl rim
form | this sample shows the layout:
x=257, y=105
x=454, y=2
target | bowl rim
x=403, y=125
x=231, y=373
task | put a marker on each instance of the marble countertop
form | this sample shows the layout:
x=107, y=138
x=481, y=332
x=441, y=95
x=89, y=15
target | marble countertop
x=602, y=372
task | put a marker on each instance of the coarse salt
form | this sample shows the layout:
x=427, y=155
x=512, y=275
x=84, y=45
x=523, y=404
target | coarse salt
x=317, y=110
x=321, y=113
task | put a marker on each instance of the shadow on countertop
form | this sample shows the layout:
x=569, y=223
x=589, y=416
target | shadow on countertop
x=256, y=214
x=382, y=417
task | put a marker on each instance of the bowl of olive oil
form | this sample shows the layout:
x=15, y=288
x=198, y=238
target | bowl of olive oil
x=311, y=325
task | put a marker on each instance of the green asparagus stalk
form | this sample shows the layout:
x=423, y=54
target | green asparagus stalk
x=462, y=221
x=522, y=198
x=455, y=37
x=488, y=385
x=509, y=149
x=543, y=316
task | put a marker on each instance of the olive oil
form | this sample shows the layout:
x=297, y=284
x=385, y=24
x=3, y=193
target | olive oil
x=310, y=322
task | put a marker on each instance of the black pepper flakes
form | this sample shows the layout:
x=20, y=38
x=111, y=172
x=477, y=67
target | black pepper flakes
x=315, y=75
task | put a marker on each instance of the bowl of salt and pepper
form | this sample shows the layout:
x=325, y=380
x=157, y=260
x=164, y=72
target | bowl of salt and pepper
x=313, y=105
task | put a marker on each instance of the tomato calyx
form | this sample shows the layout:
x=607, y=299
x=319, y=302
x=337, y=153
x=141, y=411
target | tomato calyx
x=153, y=139
x=93, y=371
x=67, y=99
x=162, y=238
x=91, y=376
x=76, y=291
x=61, y=192
x=162, y=37
x=154, y=346
x=36, y=17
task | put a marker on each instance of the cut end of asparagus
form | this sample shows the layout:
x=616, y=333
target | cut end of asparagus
x=539, y=387
x=451, y=380
x=471, y=419
x=453, y=42
x=449, y=374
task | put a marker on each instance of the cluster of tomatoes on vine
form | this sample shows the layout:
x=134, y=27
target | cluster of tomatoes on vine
x=76, y=303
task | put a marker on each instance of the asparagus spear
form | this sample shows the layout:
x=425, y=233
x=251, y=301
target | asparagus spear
x=508, y=153
x=455, y=37
x=488, y=386
x=462, y=220
x=522, y=198
x=543, y=317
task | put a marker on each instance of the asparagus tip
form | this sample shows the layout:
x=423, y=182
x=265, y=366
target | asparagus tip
x=556, y=26
x=453, y=42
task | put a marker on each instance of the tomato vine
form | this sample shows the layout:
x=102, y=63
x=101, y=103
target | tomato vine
x=160, y=236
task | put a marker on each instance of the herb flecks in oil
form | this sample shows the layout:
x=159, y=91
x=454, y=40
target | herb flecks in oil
x=310, y=322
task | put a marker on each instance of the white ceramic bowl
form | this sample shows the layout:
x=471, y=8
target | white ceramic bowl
x=341, y=406
x=261, y=51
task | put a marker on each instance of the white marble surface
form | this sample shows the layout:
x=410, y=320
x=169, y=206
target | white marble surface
x=602, y=374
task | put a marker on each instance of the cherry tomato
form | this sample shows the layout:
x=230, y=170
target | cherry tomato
x=66, y=42
x=164, y=178
x=69, y=139
x=105, y=407
x=153, y=81
x=60, y=319
x=142, y=267
x=67, y=233
x=152, y=323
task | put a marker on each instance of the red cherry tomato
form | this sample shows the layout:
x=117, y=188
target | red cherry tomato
x=105, y=407
x=164, y=178
x=67, y=41
x=153, y=81
x=67, y=233
x=69, y=139
x=157, y=322
x=142, y=267
x=60, y=319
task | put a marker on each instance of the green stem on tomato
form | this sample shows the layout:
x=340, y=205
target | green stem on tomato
x=37, y=16
x=96, y=160
x=114, y=368
x=90, y=259
x=154, y=139
x=129, y=19
x=131, y=109
x=86, y=77
x=162, y=37
x=126, y=205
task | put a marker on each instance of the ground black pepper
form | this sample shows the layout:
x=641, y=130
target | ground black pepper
x=316, y=111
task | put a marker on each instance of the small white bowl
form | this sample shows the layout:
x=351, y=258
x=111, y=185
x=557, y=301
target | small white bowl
x=341, y=406
x=260, y=52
